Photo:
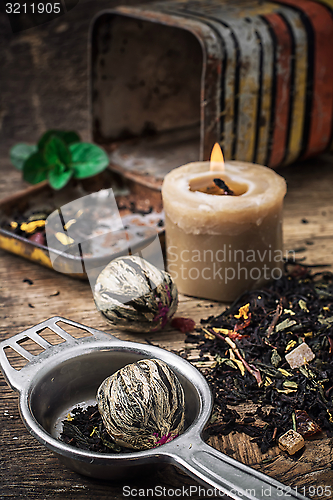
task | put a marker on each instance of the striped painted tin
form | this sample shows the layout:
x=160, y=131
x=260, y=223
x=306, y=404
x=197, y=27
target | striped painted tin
x=267, y=77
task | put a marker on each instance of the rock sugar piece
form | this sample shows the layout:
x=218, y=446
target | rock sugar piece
x=291, y=442
x=299, y=356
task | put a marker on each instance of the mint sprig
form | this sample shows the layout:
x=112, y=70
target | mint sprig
x=58, y=156
x=87, y=158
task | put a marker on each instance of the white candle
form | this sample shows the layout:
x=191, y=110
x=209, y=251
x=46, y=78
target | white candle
x=218, y=246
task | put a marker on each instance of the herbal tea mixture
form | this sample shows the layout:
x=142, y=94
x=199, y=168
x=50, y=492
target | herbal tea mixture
x=30, y=221
x=250, y=342
x=84, y=429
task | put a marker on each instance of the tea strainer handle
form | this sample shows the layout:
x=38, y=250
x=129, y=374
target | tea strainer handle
x=227, y=476
x=18, y=379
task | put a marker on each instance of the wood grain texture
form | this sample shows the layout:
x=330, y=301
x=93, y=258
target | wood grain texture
x=30, y=471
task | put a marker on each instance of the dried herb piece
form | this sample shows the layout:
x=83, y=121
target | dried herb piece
x=38, y=238
x=306, y=425
x=184, y=325
x=275, y=358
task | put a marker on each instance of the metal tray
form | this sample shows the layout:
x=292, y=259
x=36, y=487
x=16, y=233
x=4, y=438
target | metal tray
x=139, y=228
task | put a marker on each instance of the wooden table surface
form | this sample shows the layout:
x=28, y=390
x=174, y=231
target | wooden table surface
x=28, y=470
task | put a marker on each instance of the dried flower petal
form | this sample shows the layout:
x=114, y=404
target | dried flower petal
x=243, y=312
x=184, y=325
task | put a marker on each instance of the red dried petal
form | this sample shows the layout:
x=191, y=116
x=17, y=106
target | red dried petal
x=299, y=271
x=184, y=325
x=243, y=324
x=237, y=336
x=38, y=238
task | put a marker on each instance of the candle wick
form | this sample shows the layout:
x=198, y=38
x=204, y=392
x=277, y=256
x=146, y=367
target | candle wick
x=222, y=185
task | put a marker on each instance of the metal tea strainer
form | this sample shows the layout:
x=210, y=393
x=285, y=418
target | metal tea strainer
x=68, y=374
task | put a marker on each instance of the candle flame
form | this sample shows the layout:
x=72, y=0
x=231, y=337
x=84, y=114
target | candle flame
x=216, y=159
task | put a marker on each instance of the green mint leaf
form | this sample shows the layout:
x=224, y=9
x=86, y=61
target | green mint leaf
x=87, y=159
x=35, y=168
x=56, y=151
x=69, y=137
x=58, y=175
x=21, y=152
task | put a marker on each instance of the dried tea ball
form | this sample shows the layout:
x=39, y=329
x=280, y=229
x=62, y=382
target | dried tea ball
x=142, y=405
x=134, y=295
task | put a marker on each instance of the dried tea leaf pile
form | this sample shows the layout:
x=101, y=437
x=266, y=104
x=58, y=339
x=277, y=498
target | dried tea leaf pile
x=250, y=341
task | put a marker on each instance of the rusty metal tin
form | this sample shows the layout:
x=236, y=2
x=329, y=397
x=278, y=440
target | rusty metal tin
x=170, y=78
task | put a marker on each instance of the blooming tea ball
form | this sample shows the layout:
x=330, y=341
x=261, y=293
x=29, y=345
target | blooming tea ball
x=134, y=295
x=142, y=405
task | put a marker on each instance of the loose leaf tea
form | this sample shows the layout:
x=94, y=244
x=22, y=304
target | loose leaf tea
x=249, y=342
x=84, y=429
x=30, y=224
